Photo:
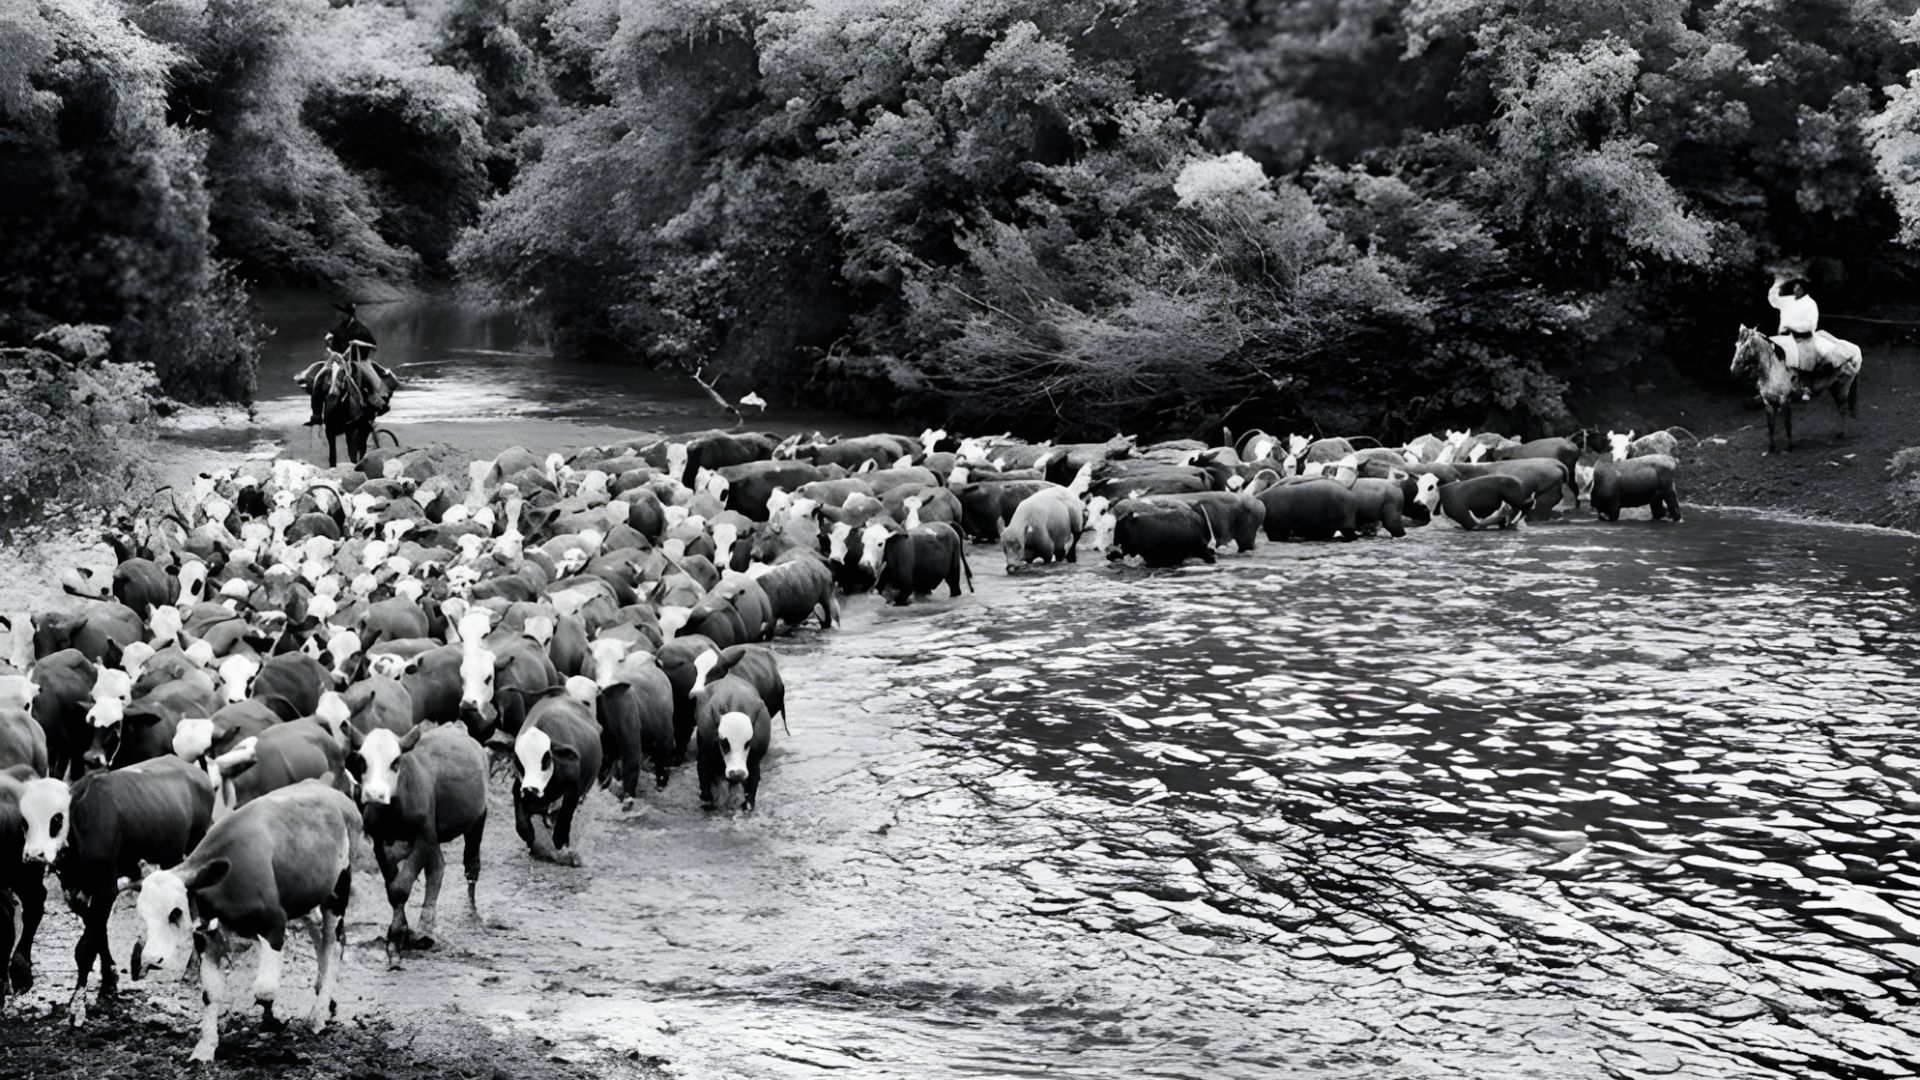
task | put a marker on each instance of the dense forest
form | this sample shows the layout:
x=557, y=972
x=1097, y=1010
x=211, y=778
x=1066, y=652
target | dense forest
x=1047, y=215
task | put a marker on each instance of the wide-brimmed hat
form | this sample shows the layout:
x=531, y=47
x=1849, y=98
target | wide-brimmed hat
x=345, y=307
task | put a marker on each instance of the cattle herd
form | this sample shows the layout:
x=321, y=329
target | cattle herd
x=286, y=657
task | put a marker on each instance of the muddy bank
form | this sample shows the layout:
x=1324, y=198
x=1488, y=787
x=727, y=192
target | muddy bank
x=1826, y=475
x=135, y=1039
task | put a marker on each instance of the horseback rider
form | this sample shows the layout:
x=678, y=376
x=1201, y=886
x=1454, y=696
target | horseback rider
x=1799, y=318
x=350, y=348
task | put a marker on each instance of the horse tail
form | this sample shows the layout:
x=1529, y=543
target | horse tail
x=388, y=432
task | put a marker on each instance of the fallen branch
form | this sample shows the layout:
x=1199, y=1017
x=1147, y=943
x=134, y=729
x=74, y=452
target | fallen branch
x=715, y=395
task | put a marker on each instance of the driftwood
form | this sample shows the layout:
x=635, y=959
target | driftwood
x=715, y=395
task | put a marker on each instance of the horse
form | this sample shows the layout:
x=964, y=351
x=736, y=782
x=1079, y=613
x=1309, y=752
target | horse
x=1778, y=382
x=347, y=412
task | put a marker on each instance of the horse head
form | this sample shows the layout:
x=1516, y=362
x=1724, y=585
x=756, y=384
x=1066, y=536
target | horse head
x=1750, y=351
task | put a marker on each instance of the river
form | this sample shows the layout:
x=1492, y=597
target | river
x=1576, y=800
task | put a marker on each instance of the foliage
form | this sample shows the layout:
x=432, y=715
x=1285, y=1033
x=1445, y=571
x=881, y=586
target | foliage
x=72, y=428
x=103, y=205
x=1061, y=216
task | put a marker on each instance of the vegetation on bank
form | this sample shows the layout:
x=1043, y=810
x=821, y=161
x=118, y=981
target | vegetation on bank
x=74, y=430
x=1065, y=217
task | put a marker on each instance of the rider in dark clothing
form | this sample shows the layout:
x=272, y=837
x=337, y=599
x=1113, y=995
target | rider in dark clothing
x=350, y=343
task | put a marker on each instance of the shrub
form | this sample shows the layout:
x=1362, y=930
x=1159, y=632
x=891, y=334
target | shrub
x=74, y=428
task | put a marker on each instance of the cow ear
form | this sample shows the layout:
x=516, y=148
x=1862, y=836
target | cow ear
x=411, y=666
x=412, y=737
x=208, y=875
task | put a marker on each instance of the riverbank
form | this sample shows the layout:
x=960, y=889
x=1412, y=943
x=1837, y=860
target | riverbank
x=1826, y=476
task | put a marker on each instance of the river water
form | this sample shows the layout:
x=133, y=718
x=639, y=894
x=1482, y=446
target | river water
x=1576, y=800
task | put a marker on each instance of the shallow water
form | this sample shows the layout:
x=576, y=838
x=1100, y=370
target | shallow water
x=1577, y=800
x=471, y=363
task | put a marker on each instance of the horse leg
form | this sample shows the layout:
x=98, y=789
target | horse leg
x=1853, y=397
x=1772, y=415
x=333, y=450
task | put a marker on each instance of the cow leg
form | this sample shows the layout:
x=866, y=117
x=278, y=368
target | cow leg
x=10, y=932
x=92, y=944
x=752, y=786
x=470, y=859
x=523, y=824
x=400, y=866
x=212, y=949
x=1672, y=495
x=436, y=867
x=563, y=830
x=1786, y=417
x=330, y=947
x=266, y=981
x=32, y=896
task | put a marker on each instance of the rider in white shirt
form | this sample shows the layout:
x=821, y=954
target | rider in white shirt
x=1799, y=317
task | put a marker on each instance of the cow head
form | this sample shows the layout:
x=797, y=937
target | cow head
x=44, y=807
x=111, y=692
x=166, y=912
x=672, y=618
x=725, y=535
x=736, y=735
x=677, y=461
x=375, y=764
x=341, y=656
x=959, y=476
x=18, y=692
x=192, y=738
x=193, y=581
x=873, y=544
x=1620, y=444
x=603, y=659
x=1100, y=523
x=477, y=665
x=539, y=629
x=236, y=674
x=536, y=758
x=1426, y=492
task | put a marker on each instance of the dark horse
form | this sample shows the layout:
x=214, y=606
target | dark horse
x=348, y=412
x=1764, y=360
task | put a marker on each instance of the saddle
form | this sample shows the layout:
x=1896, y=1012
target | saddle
x=1806, y=352
x=359, y=383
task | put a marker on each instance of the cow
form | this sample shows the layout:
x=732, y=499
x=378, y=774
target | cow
x=282, y=857
x=419, y=791
x=733, y=729
x=556, y=761
x=23, y=889
x=100, y=831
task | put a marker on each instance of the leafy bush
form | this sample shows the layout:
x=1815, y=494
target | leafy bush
x=73, y=429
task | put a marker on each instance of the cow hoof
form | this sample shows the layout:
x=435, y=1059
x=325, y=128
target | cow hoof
x=420, y=942
x=320, y=1015
x=202, y=1054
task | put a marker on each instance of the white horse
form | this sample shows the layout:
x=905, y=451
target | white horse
x=1778, y=382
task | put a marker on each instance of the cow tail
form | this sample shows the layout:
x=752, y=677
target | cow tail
x=966, y=566
x=1684, y=431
